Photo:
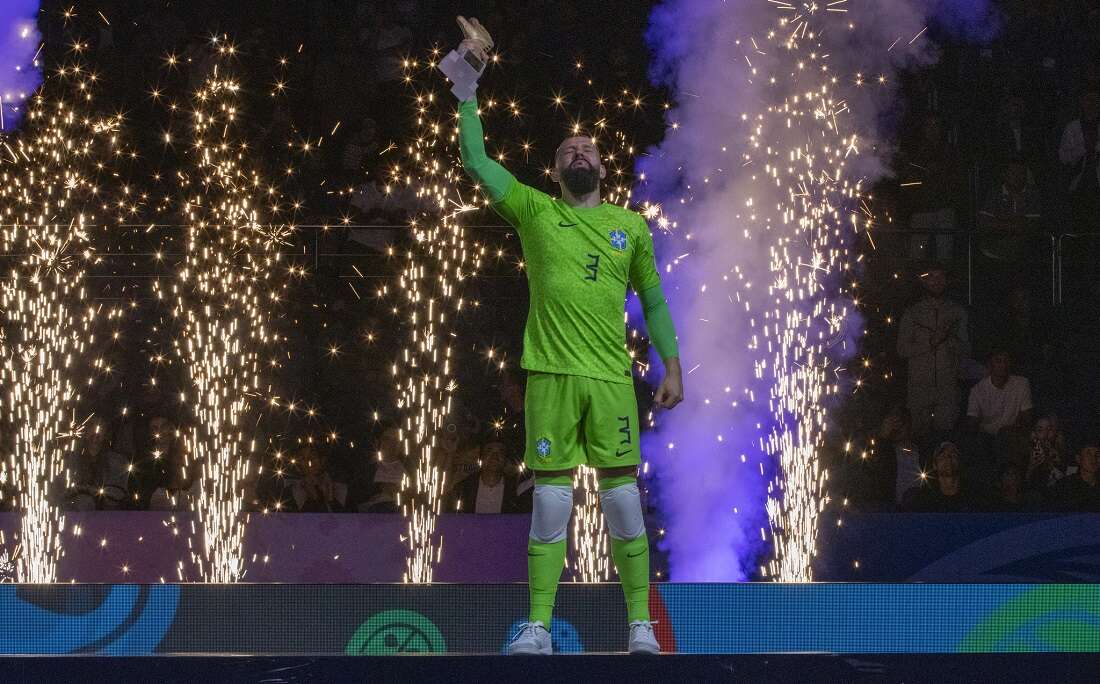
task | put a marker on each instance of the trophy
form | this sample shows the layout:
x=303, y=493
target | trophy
x=463, y=66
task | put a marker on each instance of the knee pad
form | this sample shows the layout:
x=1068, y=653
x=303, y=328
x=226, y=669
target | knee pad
x=551, y=508
x=622, y=510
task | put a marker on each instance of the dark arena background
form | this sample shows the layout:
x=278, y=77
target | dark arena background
x=263, y=397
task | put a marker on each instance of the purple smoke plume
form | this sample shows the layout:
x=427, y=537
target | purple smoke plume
x=19, y=42
x=707, y=456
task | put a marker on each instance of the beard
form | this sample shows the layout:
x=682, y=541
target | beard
x=580, y=180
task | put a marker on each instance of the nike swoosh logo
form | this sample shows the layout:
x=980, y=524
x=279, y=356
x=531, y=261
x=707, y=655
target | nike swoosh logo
x=634, y=555
x=563, y=224
x=620, y=454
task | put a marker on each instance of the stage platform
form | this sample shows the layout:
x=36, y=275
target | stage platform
x=391, y=619
x=1001, y=668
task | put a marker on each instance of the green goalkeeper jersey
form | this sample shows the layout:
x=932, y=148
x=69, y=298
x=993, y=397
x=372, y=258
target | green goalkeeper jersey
x=579, y=262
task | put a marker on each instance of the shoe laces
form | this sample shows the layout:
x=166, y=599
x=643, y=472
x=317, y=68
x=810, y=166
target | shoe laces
x=528, y=626
x=647, y=624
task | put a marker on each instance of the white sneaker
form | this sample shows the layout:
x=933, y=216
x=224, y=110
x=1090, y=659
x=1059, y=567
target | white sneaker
x=642, y=638
x=532, y=639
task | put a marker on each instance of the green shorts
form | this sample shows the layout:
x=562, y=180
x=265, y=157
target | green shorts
x=573, y=420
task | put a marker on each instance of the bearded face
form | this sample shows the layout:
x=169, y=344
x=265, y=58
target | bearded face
x=580, y=179
x=577, y=166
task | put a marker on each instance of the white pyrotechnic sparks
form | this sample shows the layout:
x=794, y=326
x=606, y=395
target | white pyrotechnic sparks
x=48, y=179
x=221, y=299
x=800, y=146
x=589, y=538
x=438, y=261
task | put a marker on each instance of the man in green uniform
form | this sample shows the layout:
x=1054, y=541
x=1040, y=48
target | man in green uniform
x=580, y=256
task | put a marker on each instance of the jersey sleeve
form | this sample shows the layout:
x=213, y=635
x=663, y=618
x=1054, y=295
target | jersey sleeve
x=643, y=265
x=471, y=144
x=521, y=203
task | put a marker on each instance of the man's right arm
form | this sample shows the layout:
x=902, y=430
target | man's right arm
x=471, y=144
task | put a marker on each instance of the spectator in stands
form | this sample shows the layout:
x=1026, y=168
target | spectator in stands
x=100, y=475
x=495, y=487
x=999, y=415
x=1010, y=491
x=315, y=491
x=1000, y=400
x=899, y=454
x=946, y=493
x=388, y=473
x=457, y=454
x=179, y=483
x=933, y=338
x=156, y=438
x=509, y=425
x=932, y=166
x=1079, y=491
x=1009, y=221
x=1045, y=460
x=1079, y=153
x=274, y=486
x=1012, y=137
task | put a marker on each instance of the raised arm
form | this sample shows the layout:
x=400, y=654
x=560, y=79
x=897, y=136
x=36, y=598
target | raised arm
x=515, y=202
x=471, y=138
x=471, y=144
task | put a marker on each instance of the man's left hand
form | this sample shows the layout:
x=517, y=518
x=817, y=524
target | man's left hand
x=671, y=390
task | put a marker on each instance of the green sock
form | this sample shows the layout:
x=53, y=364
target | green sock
x=632, y=562
x=545, y=563
x=544, y=566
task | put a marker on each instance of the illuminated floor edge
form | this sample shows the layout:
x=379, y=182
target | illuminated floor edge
x=977, y=667
x=387, y=619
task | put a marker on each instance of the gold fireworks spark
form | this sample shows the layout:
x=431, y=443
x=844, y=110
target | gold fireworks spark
x=438, y=261
x=221, y=297
x=48, y=322
x=589, y=539
x=799, y=146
